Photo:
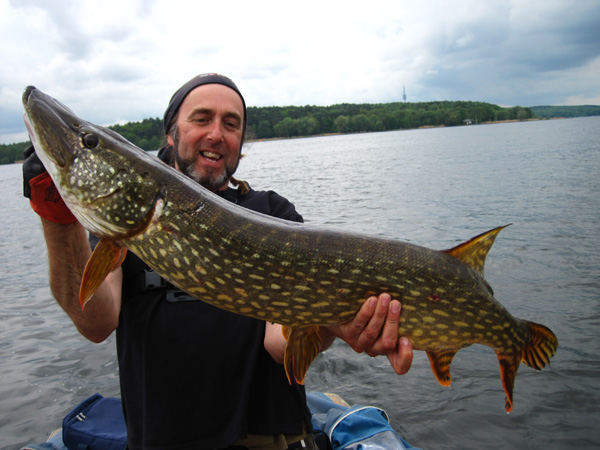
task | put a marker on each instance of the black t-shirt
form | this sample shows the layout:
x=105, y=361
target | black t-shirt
x=194, y=376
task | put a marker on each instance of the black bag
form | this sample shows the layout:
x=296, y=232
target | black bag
x=97, y=423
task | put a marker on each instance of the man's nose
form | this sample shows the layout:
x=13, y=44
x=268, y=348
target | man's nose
x=215, y=133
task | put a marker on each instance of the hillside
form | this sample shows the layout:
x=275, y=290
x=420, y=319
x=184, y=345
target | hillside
x=547, y=112
x=289, y=121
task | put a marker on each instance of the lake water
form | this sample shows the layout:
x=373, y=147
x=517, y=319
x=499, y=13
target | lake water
x=434, y=187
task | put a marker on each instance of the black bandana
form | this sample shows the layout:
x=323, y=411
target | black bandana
x=183, y=91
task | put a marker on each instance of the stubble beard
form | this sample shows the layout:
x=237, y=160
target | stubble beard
x=209, y=180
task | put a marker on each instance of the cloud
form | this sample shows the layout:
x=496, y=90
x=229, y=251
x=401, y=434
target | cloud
x=121, y=60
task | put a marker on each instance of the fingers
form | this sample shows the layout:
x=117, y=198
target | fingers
x=364, y=330
x=401, y=358
x=374, y=324
x=387, y=338
x=28, y=151
x=354, y=328
x=374, y=330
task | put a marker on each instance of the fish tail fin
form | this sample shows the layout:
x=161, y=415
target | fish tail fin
x=303, y=346
x=107, y=256
x=541, y=347
x=440, y=364
x=538, y=350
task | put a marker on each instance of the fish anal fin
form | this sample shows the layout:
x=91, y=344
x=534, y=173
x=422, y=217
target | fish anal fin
x=509, y=364
x=106, y=257
x=474, y=251
x=303, y=346
x=440, y=364
x=541, y=346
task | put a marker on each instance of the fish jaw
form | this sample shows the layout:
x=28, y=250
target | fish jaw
x=91, y=169
x=52, y=143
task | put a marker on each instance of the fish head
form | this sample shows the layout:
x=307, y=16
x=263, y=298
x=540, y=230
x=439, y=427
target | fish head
x=92, y=168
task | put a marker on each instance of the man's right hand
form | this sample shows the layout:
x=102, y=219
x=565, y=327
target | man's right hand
x=32, y=167
x=39, y=188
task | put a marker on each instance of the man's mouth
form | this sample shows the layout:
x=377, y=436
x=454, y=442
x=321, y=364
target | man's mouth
x=211, y=156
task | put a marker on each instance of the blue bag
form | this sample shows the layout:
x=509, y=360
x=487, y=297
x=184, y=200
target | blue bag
x=97, y=423
x=354, y=428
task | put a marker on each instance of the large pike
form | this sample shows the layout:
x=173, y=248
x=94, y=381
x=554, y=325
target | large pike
x=298, y=275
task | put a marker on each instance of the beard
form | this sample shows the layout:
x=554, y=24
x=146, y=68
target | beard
x=210, y=180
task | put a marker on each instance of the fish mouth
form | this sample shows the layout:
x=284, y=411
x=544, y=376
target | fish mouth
x=26, y=119
x=52, y=127
x=29, y=127
x=27, y=93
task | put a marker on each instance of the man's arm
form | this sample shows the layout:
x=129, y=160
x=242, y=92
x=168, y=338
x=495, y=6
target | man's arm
x=68, y=252
x=373, y=330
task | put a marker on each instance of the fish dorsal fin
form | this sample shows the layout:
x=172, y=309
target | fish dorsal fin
x=474, y=251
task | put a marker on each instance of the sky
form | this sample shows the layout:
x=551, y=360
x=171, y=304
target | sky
x=115, y=61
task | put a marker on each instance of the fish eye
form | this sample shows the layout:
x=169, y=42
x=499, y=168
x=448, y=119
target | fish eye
x=90, y=140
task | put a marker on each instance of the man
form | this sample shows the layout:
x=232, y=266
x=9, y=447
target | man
x=194, y=376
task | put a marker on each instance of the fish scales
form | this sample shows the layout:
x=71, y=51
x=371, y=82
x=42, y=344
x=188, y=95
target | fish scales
x=298, y=275
x=272, y=270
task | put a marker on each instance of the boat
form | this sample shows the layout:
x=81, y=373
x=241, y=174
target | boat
x=347, y=427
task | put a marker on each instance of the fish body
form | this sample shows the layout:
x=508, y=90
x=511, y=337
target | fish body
x=294, y=274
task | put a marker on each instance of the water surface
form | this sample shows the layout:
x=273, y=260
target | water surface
x=434, y=187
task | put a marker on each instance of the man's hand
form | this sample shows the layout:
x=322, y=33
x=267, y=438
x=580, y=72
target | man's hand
x=32, y=167
x=374, y=330
x=39, y=188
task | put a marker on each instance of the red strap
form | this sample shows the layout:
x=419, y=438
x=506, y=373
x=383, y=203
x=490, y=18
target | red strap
x=47, y=202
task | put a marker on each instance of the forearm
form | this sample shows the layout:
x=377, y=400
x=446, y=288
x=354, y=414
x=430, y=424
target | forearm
x=68, y=252
x=274, y=341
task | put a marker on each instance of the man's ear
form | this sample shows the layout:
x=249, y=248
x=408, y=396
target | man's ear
x=170, y=140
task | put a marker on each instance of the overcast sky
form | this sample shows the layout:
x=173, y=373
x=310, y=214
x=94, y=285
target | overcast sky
x=121, y=60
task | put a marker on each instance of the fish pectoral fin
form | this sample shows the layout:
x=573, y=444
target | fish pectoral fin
x=107, y=257
x=509, y=364
x=541, y=347
x=440, y=364
x=474, y=251
x=303, y=346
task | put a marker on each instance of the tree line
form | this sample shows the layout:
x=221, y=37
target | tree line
x=268, y=122
x=548, y=112
x=289, y=121
x=147, y=134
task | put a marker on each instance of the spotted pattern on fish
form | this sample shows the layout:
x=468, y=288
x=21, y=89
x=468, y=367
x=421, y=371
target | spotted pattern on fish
x=266, y=268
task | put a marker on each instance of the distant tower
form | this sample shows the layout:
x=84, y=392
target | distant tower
x=404, y=93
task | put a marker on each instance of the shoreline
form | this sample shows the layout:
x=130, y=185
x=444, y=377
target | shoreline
x=424, y=127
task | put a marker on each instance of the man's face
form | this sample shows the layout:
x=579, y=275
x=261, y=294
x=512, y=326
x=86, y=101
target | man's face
x=209, y=135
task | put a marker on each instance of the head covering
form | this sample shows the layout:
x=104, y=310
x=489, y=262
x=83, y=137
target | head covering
x=183, y=91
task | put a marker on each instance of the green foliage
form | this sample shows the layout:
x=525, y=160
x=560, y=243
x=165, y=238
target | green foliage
x=10, y=153
x=289, y=121
x=566, y=111
x=147, y=134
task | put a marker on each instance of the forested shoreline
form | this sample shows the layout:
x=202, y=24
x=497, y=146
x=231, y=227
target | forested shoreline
x=268, y=122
